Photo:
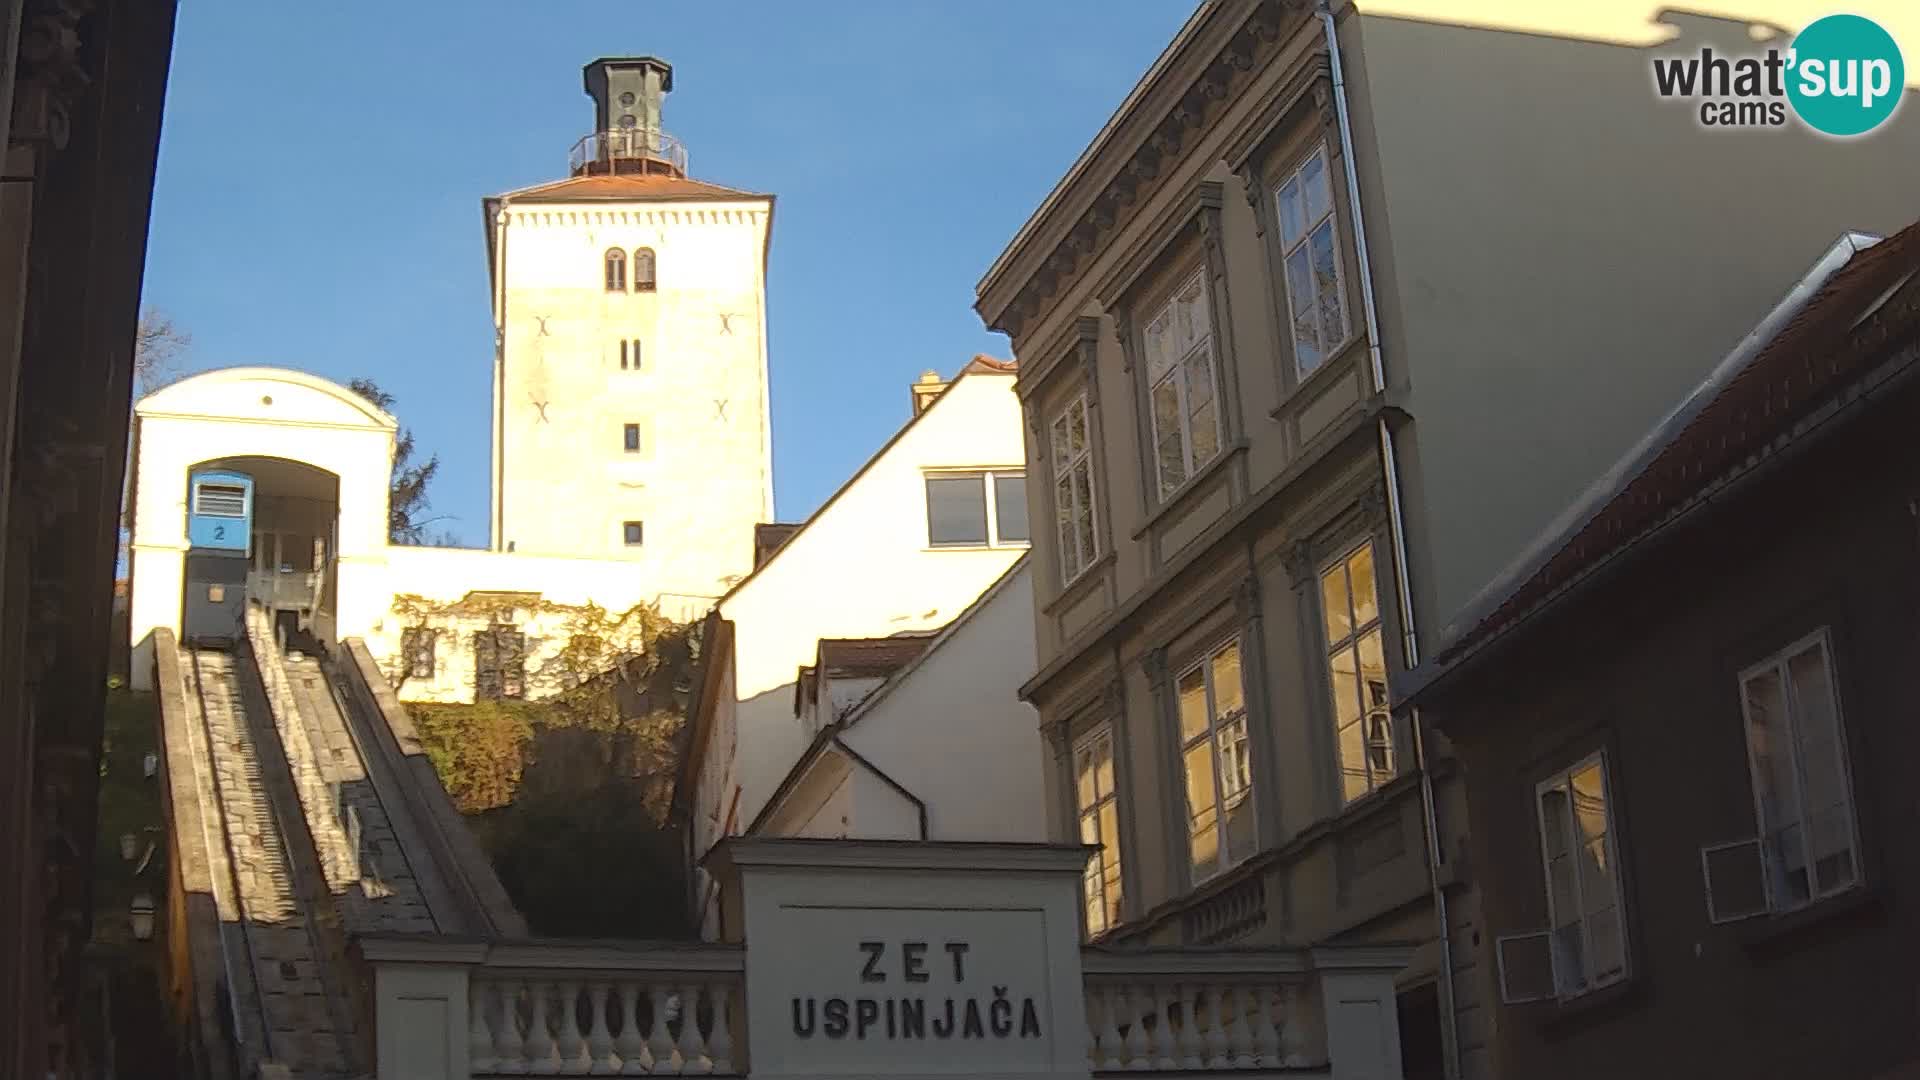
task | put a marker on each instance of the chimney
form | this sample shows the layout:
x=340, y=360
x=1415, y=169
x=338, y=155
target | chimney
x=925, y=389
x=627, y=93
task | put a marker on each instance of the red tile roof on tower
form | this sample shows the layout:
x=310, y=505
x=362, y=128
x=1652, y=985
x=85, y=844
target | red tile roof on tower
x=624, y=187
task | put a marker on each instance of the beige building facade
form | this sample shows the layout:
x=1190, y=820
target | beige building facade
x=1311, y=341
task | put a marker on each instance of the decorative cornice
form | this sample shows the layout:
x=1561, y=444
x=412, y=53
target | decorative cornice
x=1246, y=599
x=1299, y=562
x=1372, y=502
x=1113, y=698
x=1123, y=333
x=1093, y=231
x=1155, y=665
x=1087, y=349
x=52, y=72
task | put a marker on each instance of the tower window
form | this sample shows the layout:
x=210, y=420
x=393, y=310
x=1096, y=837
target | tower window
x=629, y=354
x=642, y=269
x=617, y=270
x=633, y=533
x=632, y=436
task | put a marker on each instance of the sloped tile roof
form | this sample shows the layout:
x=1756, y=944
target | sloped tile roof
x=626, y=186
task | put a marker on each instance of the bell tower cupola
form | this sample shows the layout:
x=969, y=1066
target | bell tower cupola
x=627, y=137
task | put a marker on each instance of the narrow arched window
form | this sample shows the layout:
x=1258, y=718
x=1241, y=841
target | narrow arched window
x=617, y=270
x=643, y=270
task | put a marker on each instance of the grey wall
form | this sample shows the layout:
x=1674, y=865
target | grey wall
x=1561, y=256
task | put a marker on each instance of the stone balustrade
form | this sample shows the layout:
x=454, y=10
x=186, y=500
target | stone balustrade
x=571, y=1009
x=1198, y=1010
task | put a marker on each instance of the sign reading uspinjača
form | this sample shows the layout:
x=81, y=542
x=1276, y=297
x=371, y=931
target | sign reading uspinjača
x=917, y=990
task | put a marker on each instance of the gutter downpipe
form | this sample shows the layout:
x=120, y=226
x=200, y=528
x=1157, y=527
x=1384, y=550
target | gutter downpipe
x=1396, y=523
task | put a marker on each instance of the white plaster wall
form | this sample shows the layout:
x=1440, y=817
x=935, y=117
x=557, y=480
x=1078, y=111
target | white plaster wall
x=703, y=477
x=264, y=412
x=862, y=567
x=954, y=731
x=879, y=811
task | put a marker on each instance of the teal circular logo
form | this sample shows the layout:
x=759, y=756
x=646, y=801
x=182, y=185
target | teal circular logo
x=1845, y=75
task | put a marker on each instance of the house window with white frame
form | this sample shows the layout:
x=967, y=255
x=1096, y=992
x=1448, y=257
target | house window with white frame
x=1182, y=384
x=1310, y=254
x=1357, y=673
x=1098, y=807
x=1586, y=935
x=1071, y=441
x=977, y=509
x=1802, y=791
x=1217, y=762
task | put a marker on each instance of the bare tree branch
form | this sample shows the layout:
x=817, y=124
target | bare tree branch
x=157, y=346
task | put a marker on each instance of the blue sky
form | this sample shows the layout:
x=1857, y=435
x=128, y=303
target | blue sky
x=322, y=165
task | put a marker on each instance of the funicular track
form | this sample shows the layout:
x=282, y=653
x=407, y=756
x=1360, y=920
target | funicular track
x=282, y=933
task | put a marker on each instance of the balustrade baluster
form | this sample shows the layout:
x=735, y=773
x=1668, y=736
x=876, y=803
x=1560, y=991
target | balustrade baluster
x=1217, y=1057
x=510, y=1050
x=1293, y=1032
x=1266, y=1037
x=1164, y=1046
x=571, y=1048
x=632, y=1045
x=600, y=1031
x=543, y=1059
x=1189, y=1033
x=1139, y=1050
x=720, y=1046
x=659, y=1039
x=1111, y=1050
x=479, y=1036
x=1245, y=1056
x=693, y=1048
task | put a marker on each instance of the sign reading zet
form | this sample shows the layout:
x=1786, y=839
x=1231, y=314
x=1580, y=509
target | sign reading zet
x=962, y=1013
x=906, y=991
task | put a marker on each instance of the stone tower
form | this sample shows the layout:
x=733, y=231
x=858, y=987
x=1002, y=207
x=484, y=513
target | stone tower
x=630, y=375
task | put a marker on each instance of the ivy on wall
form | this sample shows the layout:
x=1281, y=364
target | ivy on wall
x=569, y=792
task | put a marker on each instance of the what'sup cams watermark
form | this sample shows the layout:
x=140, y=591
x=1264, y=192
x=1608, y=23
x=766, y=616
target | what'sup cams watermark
x=1841, y=76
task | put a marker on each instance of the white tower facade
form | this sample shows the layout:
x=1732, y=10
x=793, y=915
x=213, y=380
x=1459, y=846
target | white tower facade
x=630, y=379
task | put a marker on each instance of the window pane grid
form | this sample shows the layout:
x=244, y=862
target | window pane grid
x=1182, y=389
x=1585, y=932
x=977, y=509
x=1357, y=675
x=1072, y=456
x=1215, y=755
x=1802, y=785
x=1310, y=260
x=1097, y=804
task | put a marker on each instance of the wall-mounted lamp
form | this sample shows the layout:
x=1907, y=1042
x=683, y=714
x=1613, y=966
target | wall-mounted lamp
x=142, y=917
x=127, y=842
x=152, y=764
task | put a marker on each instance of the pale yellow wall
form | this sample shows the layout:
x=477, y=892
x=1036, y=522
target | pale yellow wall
x=862, y=567
x=1561, y=256
x=701, y=482
x=1636, y=22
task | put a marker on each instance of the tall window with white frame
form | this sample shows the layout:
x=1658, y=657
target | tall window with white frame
x=1072, y=448
x=1182, y=384
x=1097, y=804
x=1586, y=935
x=1216, y=759
x=1310, y=252
x=1802, y=789
x=987, y=508
x=616, y=268
x=1357, y=673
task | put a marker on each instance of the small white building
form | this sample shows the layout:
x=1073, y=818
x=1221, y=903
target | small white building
x=631, y=445
x=905, y=546
x=941, y=749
